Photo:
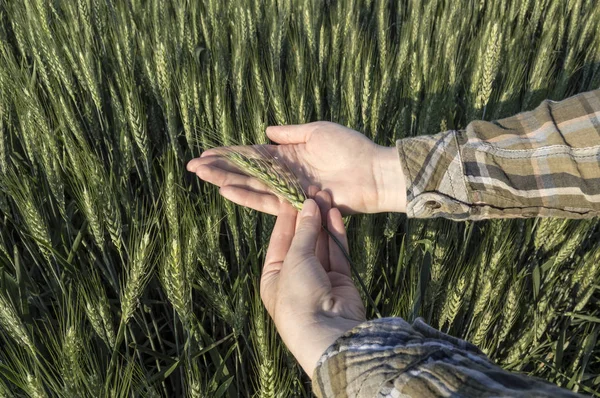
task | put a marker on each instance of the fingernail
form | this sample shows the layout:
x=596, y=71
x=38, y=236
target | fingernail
x=309, y=208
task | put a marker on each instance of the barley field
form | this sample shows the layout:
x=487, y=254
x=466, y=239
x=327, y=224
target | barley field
x=121, y=275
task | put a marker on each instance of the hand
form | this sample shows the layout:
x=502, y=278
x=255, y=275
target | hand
x=306, y=284
x=361, y=177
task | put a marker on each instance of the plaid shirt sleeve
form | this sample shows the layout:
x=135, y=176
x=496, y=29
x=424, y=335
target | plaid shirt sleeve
x=545, y=162
x=541, y=163
x=390, y=358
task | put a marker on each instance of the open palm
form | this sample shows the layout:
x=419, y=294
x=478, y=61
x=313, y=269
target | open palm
x=334, y=158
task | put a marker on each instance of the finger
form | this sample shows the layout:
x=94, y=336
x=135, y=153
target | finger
x=281, y=237
x=290, y=134
x=337, y=260
x=264, y=150
x=193, y=164
x=260, y=201
x=279, y=245
x=324, y=202
x=215, y=161
x=304, y=243
x=221, y=178
x=312, y=191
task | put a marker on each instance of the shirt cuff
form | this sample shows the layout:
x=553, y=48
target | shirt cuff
x=366, y=360
x=435, y=180
x=389, y=357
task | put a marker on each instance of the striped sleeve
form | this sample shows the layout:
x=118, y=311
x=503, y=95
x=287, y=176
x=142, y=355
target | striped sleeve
x=545, y=162
x=388, y=357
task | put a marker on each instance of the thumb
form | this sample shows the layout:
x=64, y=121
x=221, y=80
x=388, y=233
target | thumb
x=290, y=134
x=307, y=233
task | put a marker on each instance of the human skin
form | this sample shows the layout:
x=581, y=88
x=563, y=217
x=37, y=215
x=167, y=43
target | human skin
x=360, y=176
x=306, y=284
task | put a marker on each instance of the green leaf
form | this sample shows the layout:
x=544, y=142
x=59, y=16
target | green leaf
x=223, y=388
x=535, y=276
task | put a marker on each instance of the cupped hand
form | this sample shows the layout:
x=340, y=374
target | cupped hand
x=306, y=285
x=360, y=176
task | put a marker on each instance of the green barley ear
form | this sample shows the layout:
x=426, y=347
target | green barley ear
x=273, y=377
x=71, y=361
x=175, y=270
x=27, y=201
x=453, y=302
x=13, y=326
x=510, y=311
x=263, y=353
x=92, y=213
x=35, y=387
x=482, y=330
x=482, y=300
x=97, y=307
x=3, y=133
x=266, y=168
x=583, y=278
x=194, y=381
x=139, y=267
x=138, y=274
x=4, y=390
x=113, y=221
x=490, y=67
x=173, y=278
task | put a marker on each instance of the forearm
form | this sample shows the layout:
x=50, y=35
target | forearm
x=539, y=163
x=389, y=357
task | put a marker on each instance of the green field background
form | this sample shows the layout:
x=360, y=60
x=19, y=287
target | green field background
x=122, y=275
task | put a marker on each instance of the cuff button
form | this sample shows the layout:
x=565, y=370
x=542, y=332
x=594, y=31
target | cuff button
x=432, y=204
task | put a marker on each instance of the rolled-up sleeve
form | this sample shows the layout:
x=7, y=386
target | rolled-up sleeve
x=389, y=357
x=541, y=163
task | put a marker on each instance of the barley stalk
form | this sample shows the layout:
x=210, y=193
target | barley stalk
x=191, y=255
x=3, y=151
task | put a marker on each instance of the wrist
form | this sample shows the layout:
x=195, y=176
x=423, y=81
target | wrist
x=313, y=340
x=390, y=181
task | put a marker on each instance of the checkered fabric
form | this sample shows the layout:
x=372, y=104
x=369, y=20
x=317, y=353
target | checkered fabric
x=388, y=357
x=541, y=163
